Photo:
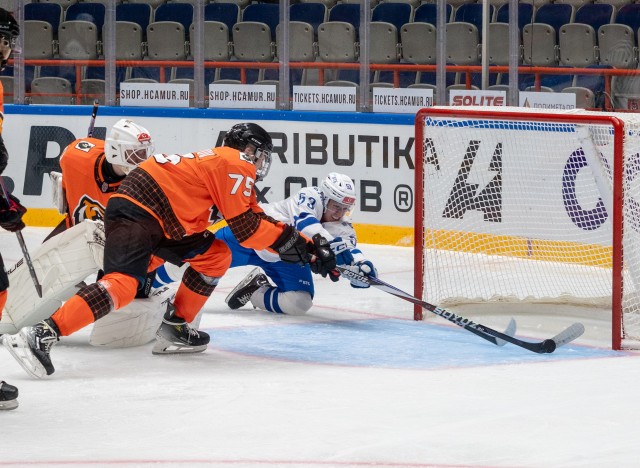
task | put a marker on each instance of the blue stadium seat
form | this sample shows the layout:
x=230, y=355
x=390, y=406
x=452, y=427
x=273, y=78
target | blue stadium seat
x=346, y=12
x=472, y=13
x=555, y=14
x=397, y=14
x=49, y=12
x=179, y=12
x=312, y=13
x=227, y=13
x=427, y=13
x=139, y=13
x=92, y=12
x=267, y=13
x=595, y=15
x=629, y=15
x=525, y=14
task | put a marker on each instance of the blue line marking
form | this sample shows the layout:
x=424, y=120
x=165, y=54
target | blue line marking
x=390, y=343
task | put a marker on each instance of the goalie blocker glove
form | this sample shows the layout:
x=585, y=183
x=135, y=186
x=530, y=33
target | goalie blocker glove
x=294, y=248
x=11, y=215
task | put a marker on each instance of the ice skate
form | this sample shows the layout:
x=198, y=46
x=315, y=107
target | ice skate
x=31, y=347
x=176, y=336
x=242, y=293
x=8, y=396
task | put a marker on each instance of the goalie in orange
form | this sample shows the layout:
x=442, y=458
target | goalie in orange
x=94, y=169
x=164, y=207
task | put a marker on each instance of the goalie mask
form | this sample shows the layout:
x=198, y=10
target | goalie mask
x=9, y=31
x=254, y=142
x=128, y=144
x=339, y=196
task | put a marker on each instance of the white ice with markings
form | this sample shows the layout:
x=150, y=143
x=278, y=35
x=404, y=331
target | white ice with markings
x=355, y=383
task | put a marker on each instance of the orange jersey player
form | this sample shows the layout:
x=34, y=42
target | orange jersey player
x=164, y=207
x=92, y=170
x=11, y=215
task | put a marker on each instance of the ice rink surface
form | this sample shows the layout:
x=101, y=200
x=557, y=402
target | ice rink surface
x=355, y=383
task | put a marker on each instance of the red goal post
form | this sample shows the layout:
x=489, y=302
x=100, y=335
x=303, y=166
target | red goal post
x=518, y=205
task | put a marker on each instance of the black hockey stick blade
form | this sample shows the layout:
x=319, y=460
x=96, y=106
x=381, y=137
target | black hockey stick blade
x=541, y=347
x=546, y=346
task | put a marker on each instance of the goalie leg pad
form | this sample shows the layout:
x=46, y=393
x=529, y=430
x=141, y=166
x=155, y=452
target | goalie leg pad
x=60, y=263
x=135, y=324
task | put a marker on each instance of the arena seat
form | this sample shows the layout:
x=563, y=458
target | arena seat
x=49, y=12
x=91, y=12
x=397, y=14
x=227, y=13
x=139, y=13
x=38, y=40
x=311, y=13
x=428, y=13
x=267, y=13
x=51, y=90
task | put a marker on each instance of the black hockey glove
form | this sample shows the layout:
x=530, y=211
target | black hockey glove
x=292, y=247
x=11, y=216
x=324, y=261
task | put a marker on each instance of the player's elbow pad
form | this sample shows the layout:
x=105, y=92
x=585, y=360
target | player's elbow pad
x=292, y=246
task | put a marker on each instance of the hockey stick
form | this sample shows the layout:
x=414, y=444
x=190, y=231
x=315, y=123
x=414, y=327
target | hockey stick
x=94, y=114
x=546, y=346
x=510, y=330
x=23, y=245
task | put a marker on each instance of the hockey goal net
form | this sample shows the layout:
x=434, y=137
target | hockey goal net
x=524, y=206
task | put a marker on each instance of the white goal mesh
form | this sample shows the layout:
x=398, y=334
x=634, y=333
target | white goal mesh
x=525, y=206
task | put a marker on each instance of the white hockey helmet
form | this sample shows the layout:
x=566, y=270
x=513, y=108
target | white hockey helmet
x=128, y=144
x=339, y=188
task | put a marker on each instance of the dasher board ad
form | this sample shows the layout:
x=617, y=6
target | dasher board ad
x=471, y=97
x=325, y=98
x=154, y=94
x=378, y=157
x=239, y=96
x=544, y=101
x=401, y=101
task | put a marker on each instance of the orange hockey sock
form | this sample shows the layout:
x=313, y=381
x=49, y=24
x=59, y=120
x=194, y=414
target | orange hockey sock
x=188, y=303
x=72, y=316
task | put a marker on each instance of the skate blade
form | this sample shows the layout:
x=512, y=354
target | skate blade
x=19, y=349
x=164, y=346
x=8, y=405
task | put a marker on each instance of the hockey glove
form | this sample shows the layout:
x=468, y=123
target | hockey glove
x=292, y=247
x=342, y=251
x=11, y=216
x=364, y=268
x=324, y=262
